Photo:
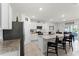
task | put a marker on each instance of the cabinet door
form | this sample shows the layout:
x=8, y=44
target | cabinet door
x=40, y=43
x=10, y=18
x=0, y=15
x=4, y=15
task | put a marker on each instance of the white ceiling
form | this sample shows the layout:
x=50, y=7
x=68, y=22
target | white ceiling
x=50, y=11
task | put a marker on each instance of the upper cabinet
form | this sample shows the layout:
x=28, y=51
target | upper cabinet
x=0, y=16
x=6, y=16
x=10, y=18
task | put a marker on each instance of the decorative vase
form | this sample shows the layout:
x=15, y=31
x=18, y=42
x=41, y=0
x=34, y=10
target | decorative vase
x=17, y=19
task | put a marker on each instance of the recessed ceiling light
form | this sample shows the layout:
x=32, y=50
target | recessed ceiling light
x=40, y=9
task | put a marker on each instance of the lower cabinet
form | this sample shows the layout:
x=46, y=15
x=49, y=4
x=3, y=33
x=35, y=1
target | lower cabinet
x=40, y=43
x=15, y=33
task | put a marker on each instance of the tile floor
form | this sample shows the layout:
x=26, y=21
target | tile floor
x=33, y=50
x=12, y=48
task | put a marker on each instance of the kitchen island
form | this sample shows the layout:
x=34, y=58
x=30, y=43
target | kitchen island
x=43, y=39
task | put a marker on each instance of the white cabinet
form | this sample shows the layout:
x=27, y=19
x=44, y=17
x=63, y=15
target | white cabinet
x=10, y=18
x=40, y=42
x=27, y=34
x=0, y=16
x=33, y=25
x=34, y=36
x=6, y=16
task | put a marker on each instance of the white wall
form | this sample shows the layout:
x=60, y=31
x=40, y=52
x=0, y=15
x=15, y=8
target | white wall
x=60, y=27
x=15, y=14
x=45, y=26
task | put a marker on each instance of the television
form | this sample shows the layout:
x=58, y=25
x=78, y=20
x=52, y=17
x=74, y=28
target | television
x=39, y=27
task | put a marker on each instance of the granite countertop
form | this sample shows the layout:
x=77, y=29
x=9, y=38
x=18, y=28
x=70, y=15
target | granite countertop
x=52, y=36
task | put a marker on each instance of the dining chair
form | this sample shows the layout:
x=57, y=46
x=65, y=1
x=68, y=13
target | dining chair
x=62, y=44
x=53, y=46
x=69, y=39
